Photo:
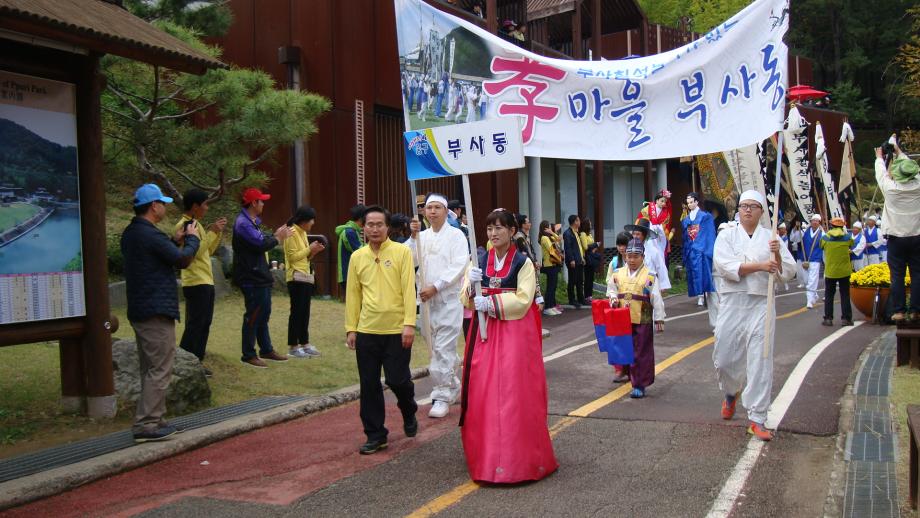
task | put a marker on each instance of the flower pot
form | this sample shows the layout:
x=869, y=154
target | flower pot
x=863, y=297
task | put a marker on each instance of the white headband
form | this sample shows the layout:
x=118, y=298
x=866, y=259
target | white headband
x=752, y=195
x=436, y=198
x=816, y=217
x=857, y=224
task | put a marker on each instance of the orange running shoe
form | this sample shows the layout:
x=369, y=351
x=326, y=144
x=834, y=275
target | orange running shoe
x=728, y=406
x=757, y=430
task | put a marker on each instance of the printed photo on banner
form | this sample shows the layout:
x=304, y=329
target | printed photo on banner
x=723, y=91
x=41, y=261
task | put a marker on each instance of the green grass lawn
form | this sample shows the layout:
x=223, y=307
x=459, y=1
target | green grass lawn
x=905, y=391
x=30, y=385
x=16, y=213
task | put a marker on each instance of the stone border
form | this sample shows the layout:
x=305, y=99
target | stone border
x=48, y=483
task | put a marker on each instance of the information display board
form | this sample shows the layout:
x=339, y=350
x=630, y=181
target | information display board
x=41, y=254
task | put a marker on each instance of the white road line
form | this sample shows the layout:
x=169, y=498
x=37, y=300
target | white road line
x=569, y=350
x=724, y=503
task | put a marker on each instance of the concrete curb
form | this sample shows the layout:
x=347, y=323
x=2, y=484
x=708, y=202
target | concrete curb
x=48, y=483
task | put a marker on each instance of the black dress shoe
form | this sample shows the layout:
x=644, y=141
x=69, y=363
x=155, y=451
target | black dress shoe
x=371, y=447
x=411, y=427
x=827, y=322
x=846, y=323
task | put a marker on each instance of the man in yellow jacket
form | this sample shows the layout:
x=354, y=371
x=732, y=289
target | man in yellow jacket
x=380, y=326
x=198, y=279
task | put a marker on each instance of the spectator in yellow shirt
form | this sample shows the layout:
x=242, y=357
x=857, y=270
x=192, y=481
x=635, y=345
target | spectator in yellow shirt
x=198, y=279
x=300, y=281
x=380, y=326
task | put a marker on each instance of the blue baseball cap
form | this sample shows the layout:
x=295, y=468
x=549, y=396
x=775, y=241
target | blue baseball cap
x=149, y=192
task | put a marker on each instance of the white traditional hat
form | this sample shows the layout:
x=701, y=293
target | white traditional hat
x=752, y=195
x=857, y=224
x=782, y=225
x=873, y=217
x=816, y=217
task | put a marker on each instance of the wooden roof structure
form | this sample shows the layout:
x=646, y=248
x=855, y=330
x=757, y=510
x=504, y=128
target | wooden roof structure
x=616, y=16
x=104, y=27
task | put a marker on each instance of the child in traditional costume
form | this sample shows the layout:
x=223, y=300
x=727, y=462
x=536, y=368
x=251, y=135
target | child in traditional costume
x=634, y=287
x=504, y=394
x=620, y=372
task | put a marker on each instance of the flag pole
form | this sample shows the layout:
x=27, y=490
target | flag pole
x=771, y=295
x=425, y=324
x=472, y=238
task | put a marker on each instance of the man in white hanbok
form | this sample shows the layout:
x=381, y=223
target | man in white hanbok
x=654, y=254
x=858, y=251
x=813, y=258
x=442, y=257
x=745, y=256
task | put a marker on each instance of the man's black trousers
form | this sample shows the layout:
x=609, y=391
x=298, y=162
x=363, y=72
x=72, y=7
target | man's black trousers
x=386, y=351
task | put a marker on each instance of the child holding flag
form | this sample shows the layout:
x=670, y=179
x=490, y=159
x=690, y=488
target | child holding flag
x=634, y=287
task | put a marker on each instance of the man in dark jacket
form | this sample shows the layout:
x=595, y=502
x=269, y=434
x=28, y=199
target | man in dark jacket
x=574, y=261
x=153, y=303
x=251, y=274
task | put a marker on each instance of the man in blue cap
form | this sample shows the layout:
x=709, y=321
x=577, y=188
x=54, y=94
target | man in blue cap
x=151, y=258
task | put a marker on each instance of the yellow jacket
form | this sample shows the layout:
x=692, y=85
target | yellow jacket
x=380, y=298
x=199, y=272
x=546, y=243
x=585, y=240
x=296, y=253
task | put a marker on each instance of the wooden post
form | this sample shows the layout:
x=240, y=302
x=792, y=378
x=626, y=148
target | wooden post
x=73, y=381
x=96, y=342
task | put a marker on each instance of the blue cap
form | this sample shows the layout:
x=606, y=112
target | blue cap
x=149, y=192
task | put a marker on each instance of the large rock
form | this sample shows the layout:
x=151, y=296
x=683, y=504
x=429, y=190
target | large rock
x=187, y=390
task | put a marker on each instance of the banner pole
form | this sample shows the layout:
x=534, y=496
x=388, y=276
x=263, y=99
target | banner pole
x=425, y=324
x=771, y=295
x=472, y=237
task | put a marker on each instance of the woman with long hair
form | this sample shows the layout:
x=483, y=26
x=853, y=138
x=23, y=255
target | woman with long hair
x=552, y=264
x=298, y=252
x=504, y=395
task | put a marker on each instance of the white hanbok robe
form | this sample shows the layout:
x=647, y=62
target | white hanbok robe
x=654, y=259
x=742, y=317
x=445, y=255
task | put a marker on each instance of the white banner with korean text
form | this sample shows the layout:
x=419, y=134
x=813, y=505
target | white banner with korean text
x=723, y=91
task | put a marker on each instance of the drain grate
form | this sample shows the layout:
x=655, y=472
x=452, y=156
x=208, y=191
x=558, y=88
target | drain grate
x=871, y=490
x=870, y=447
x=876, y=376
x=872, y=422
x=31, y=463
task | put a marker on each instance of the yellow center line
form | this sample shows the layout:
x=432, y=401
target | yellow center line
x=458, y=493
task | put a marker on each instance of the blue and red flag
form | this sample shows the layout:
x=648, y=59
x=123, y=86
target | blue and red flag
x=613, y=330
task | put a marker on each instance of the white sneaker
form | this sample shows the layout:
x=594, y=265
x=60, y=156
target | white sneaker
x=810, y=305
x=309, y=350
x=545, y=333
x=549, y=312
x=699, y=300
x=297, y=352
x=439, y=409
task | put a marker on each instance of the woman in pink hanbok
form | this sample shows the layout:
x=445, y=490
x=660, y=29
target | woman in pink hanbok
x=504, y=397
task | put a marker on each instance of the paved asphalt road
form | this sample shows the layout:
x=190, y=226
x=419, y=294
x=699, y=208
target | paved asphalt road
x=669, y=454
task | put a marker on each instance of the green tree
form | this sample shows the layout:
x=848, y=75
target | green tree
x=210, y=131
x=848, y=98
x=207, y=17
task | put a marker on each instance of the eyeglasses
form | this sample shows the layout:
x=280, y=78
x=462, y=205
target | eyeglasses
x=749, y=206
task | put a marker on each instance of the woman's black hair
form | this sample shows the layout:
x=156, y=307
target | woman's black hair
x=303, y=213
x=544, y=226
x=623, y=238
x=503, y=217
x=585, y=226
